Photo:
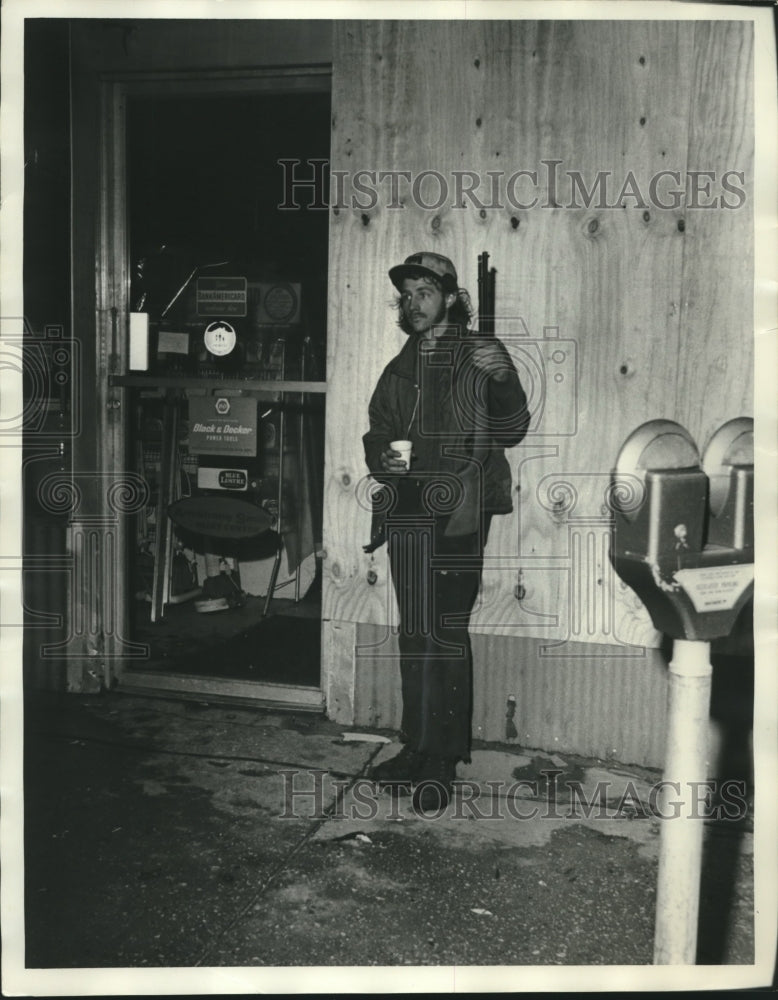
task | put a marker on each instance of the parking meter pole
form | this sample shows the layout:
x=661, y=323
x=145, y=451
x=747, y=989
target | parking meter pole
x=680, y=851
x=683, y=541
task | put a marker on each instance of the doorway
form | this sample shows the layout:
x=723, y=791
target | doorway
x=209, y=242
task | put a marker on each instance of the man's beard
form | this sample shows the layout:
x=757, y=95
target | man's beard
x=407, y=326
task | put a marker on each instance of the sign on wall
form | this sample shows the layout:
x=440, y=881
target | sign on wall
x=221, y=296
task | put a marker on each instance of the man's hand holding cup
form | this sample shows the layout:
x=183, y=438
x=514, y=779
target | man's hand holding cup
x=397, y=457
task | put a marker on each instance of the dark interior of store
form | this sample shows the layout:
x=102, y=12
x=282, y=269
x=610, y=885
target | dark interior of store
x=205, y=184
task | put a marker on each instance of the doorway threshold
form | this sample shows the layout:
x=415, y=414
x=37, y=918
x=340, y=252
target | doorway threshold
x=297, y=697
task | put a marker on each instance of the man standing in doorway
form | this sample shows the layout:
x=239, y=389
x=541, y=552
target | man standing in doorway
x=456, y=397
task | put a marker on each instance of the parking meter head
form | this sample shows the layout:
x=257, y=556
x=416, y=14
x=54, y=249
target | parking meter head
x=681, y=541
x=659, y=469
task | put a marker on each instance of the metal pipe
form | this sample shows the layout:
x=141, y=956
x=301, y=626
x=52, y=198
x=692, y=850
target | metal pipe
x=163, y=543
x=300, y=473
x=680, y=849
x=281, y=429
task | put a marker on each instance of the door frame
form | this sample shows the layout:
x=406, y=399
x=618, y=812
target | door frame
x=112, y=309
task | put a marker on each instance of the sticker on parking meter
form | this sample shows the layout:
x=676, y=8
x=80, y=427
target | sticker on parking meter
x=715, y=588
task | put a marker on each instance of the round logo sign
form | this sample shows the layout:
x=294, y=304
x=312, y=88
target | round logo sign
x=281, y=303
x=222, y=406
x=220, y=338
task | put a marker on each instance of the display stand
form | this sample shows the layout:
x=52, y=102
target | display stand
x=174, y=389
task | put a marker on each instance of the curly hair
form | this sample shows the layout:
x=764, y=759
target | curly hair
x=459, y=314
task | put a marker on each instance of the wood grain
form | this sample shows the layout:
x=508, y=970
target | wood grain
x=715, y=368
x=655, y=316
x=337, y=649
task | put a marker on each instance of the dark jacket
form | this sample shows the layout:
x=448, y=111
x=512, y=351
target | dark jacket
x=460, y=421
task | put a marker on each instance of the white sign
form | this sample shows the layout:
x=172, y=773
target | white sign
x=173, y=343
x=715, y=588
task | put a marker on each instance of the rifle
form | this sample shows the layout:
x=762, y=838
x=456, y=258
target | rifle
x=486, y=285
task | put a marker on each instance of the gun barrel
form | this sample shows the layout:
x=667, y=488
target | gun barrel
x=483, y=292
x=486, y=296
x=490, y=284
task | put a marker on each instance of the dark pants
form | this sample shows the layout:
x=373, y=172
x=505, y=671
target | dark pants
x=436, y=579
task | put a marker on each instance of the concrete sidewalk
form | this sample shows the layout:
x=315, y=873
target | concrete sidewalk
x=179, y=834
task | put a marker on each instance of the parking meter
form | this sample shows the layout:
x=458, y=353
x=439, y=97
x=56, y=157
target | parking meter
x=683, y=526
x=684, y=542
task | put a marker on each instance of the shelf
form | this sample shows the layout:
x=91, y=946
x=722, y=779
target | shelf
x=220, y=385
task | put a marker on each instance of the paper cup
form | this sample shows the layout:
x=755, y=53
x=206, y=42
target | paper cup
x=404, y=447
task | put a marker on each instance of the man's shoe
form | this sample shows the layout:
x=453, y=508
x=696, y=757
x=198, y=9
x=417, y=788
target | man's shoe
x=433, y=790
x=402, y=769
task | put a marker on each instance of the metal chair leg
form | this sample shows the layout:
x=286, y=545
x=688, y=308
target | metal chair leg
x=273, y=577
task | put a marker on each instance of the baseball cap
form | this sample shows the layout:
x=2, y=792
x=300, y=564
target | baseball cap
x=433, y=264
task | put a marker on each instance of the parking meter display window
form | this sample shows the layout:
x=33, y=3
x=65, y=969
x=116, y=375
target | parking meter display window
x=672, y=519
x=729, y=464
x=677, y=507
x=733, y=526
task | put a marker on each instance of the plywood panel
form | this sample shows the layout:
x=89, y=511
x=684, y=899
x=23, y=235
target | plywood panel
x=338, y=642
x=587, y=702
x=599, y=261
x=715, y=370
x=377, y=688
